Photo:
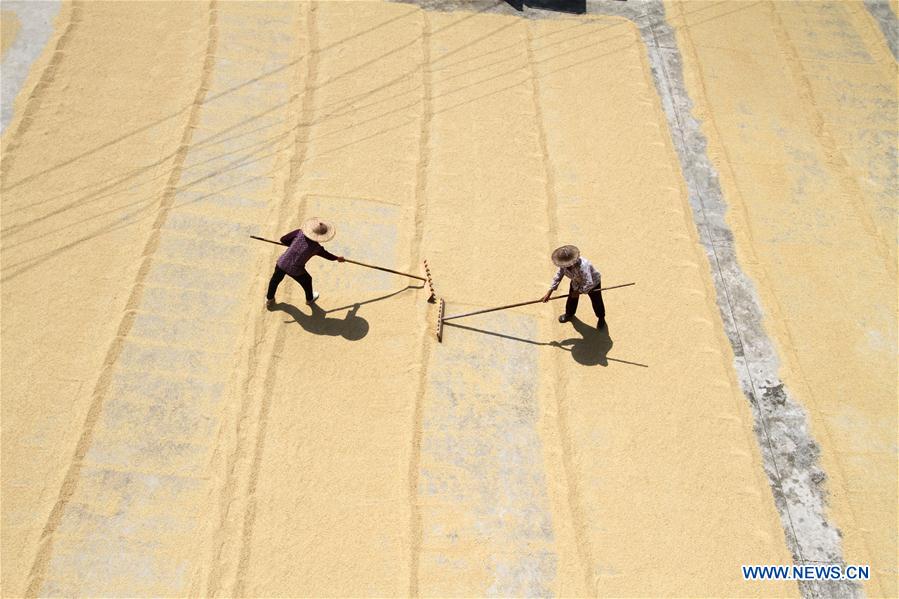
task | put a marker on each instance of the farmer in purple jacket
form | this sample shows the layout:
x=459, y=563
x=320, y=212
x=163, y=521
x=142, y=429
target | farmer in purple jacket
x=304, y=244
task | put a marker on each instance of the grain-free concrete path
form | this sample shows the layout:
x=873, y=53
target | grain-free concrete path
x=27, y=27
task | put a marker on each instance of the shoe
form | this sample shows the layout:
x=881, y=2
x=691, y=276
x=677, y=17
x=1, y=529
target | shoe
x=601, y=324
x=270, y=303
x=314, y=297
x=564, y=318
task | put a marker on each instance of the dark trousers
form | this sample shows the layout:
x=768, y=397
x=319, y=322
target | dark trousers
x=595, y=298
x=305, y=281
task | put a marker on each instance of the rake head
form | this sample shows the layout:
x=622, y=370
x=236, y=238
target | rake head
x=433, y=296
x=440, y=312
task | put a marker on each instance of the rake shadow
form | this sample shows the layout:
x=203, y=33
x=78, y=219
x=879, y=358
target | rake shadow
x=373, y=300
x=590, y=349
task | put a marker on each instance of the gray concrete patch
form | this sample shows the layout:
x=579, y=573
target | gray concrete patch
x=126, y=533
x=883, y=14
x=499, y=7
x=482, y=481
x=36, y=29
x=213, y=305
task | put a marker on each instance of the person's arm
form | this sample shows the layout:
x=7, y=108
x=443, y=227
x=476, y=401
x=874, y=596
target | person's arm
x=597, y=277
x=589, y=274
x=328, y=255
x=288, y=239
x=555, y=285
x=556, y=280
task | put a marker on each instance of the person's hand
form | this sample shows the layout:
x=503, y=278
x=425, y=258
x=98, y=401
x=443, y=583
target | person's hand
x=545, y=298
x=341, y=259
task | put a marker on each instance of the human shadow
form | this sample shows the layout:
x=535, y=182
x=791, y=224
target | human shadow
x=590, y=349
x=351, y=327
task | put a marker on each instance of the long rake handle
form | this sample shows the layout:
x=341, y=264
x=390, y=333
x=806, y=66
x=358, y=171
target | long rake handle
x=523, y=304
x=396, y=272
x=267, y=240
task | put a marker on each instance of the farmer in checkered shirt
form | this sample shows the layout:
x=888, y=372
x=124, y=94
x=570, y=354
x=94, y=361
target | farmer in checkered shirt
x=584, y=279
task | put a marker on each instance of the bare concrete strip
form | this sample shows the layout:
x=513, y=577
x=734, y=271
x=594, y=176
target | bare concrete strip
x=36, y=20
x=883, y=14
x=789, y=452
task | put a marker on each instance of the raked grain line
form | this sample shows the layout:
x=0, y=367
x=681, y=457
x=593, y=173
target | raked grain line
x=222, y=535
x=559, y=386
x=45, y=549
x=800, y=489
x=254, y=352
x=142, y=206
x=223, y=562
x=725, y=301
x=739, y=346
x=347, y=105
x=831, y=148
x=301, y=146
x=33, y=104
x=462, y=103
x=116, y=188
x=421, y=207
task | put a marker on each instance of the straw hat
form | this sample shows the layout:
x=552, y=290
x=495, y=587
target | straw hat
x=318, y=230
x=566, y=256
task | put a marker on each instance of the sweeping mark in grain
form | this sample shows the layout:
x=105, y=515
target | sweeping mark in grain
x=288, y=209
x=421, y=189
x=67, y=489
x=579, y=522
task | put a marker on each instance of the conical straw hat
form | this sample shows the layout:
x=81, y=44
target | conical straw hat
x=318, y=230
x=566, y=256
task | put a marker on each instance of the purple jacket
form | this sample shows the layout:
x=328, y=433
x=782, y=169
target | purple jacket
x=301, y=249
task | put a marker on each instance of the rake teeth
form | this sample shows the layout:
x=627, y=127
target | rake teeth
x=440, y=313
x=433, y=297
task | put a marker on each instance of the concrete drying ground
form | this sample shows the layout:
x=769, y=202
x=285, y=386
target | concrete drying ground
x=164, y=434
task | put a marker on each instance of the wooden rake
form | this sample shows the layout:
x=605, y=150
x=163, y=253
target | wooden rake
x=441, y=318
x=427, y=279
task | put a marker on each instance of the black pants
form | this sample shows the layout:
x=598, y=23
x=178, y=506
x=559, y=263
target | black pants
x=305, y=281
x=595, y=298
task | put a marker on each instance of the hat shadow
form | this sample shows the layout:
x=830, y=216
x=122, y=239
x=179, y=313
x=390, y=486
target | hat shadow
x=351, y=327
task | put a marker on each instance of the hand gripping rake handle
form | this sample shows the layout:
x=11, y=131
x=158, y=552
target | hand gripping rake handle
x=441, y=318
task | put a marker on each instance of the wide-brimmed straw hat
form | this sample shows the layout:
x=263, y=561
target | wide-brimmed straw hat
x=318, y=230
x=566, y=256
